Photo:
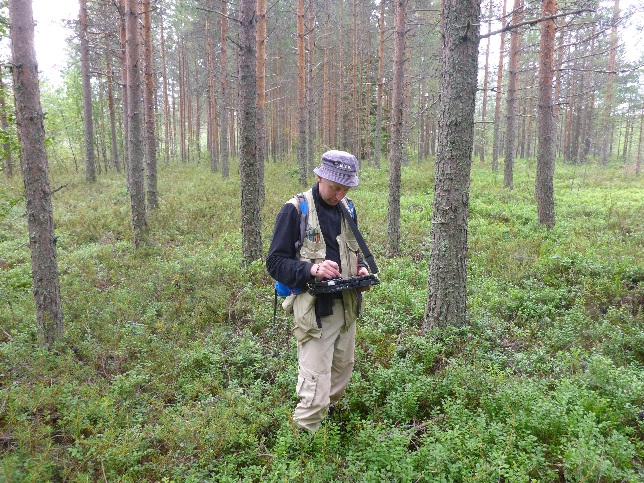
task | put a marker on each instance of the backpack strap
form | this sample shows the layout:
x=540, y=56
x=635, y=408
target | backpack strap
x=303, y=208
x=304, y=214
x=350, y=205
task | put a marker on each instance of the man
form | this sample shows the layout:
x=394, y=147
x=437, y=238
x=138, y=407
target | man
x=324, y=324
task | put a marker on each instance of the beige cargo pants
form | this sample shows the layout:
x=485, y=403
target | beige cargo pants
x=325, y=367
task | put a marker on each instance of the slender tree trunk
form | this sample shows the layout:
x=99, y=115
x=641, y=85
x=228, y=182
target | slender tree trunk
x=90, y=162
x=182, y=102
x=301, y=95
x=544, y=179
x=124, y=89
x=223, y=128
x=212, y=98
x=326, y=110
x=485, y=82
x=250, y=202
x=638, y=162
x=4, y=123
x=607, y=122
x=261, y=95
x=148, y=101
x=135, y=125
x=447, y=288
x=512, y=102
x=110, y=106
x=398, y=106
x=166, y=98
x=310, y=139
x=35, y=172
x=497, y=105
x=381, y=81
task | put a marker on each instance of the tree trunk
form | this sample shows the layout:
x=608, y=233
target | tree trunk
x=638, y=161
x=212, y=98
x=326, y=87
x=310, y=138
x=397, y=108
x=607, y=122
x=261, y=96
x=485, y=81
x=381, y=81
x=512, y=102
x=35, y=172
x=183, y=98
x=223, y=128
x=90, y=162
x=166, y=98
x=136, y=149
x=4, y=123
x=301, y=96
x=250, y=202
x=148, y=106
x=447, y=290
x=544, y=179
x=109, y=74
x=496, y=141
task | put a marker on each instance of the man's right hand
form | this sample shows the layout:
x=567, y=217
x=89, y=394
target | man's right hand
x=325, y=270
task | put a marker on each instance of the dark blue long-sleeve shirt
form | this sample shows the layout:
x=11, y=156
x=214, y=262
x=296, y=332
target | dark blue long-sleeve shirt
x=282, y=263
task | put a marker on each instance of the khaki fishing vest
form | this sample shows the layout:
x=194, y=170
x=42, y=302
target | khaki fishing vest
x=314, y=250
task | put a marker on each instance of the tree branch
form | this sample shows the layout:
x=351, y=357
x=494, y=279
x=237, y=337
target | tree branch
x=509, y=27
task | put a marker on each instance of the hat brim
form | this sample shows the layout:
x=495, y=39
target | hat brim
x=350, y=180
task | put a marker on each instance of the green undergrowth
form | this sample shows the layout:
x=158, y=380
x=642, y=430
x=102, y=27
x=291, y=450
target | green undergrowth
x=173, y=369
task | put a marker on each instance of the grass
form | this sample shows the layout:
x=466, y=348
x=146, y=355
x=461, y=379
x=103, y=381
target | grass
x=173, y=370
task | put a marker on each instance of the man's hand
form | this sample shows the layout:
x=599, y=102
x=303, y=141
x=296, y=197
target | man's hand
x=326, y=269
x=363, y=271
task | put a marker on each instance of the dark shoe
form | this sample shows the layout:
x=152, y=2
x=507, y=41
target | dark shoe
x=337, y=416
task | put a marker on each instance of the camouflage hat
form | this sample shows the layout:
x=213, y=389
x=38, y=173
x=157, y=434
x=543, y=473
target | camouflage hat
x=340, y=167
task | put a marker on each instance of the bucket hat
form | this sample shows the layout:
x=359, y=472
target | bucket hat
x=340, y=167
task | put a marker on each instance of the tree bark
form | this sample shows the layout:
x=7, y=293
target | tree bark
x=447, y=290
x=512, y=102
x=261, y=96
x=213, y=145
x=607, y=122
x=88, y=122
x=310, y=138
x=109, y=74
x=544, y=179
x=35, y=171
x=136, y=149
x=484, y=100
x=381, y=81
x=638, y=161
x=4, y=123
x=397, y=120
x=148, y=101
x=223, y=128
x=496, y=141
x=250, y=202
x=166, y=97
x=124, y=88
x=301, y=96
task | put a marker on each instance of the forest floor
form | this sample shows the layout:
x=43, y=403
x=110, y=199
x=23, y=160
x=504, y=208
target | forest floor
x=172, y=368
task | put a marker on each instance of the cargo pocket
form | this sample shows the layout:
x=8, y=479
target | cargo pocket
x=306, y=326
x=307, y=383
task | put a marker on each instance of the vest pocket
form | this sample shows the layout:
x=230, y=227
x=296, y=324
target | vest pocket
x=352, y=252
